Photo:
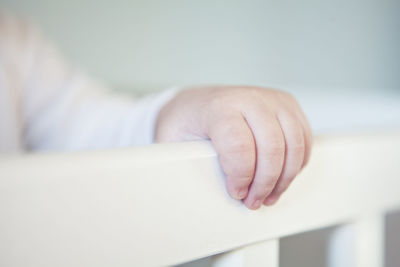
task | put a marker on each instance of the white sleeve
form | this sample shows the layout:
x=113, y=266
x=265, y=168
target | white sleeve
x=65, y=110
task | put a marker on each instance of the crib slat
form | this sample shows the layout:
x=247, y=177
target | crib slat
x=359, y=244
x=370, y=241
x=259, y=254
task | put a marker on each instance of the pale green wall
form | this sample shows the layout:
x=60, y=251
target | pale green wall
x=153, y=44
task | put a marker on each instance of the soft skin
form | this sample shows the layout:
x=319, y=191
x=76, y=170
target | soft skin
x=261, y=135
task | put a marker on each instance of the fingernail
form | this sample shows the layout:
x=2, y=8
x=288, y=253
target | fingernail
x=256, y=204
x=242, y=193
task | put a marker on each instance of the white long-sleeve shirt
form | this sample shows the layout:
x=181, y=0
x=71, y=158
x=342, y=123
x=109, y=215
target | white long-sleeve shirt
x=44, y=105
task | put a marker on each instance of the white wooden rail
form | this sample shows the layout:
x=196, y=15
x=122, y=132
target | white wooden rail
x=167, y=204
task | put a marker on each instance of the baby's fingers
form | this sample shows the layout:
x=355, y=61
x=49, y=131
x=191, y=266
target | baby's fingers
x=294, y=154
x=234, y=143
x=270, y=144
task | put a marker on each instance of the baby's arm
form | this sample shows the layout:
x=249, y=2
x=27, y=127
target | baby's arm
x=261, y=136
x=59, y=108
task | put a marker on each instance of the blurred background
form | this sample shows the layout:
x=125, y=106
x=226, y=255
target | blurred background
x=340, y=58
x=342, y=52
x=155, y=44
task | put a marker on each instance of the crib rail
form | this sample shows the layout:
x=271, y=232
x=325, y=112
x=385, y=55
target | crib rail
x=166, y=204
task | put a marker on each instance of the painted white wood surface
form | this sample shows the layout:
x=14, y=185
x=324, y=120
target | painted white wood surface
x=341, y=250
x=167, y=204
x=359, y=243
x=370, y=243
x=262, y=254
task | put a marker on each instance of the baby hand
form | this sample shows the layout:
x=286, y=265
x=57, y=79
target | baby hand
x=261, y=135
